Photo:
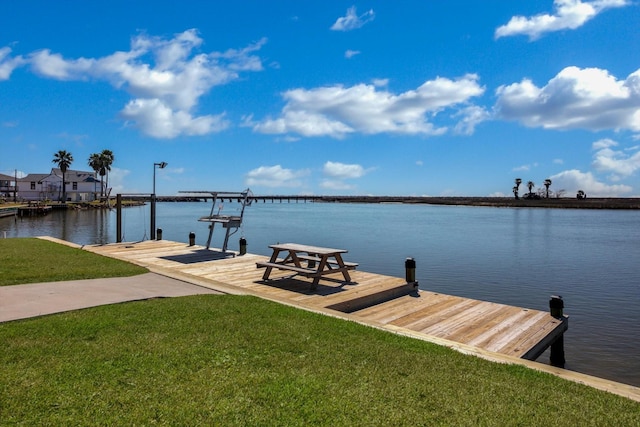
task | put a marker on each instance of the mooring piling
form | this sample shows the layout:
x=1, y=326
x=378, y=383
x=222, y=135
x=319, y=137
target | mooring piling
x=556, y=307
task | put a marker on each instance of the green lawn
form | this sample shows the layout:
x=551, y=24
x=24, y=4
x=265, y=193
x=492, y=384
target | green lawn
x=234, y=360
x=30, y=260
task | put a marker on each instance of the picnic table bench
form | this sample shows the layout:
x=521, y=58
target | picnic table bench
x=308, y=261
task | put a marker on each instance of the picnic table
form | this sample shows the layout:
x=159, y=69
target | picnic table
x=308, y=261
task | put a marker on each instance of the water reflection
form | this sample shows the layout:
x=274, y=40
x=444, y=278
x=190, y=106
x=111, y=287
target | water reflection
x=82, y=227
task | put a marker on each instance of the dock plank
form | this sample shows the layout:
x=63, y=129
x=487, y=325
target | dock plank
x=372, y=298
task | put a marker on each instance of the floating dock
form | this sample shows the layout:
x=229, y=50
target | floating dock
x=6, y=212
x=386, y=302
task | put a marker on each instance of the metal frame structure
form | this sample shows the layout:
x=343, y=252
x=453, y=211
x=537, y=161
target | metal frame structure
x=139, y=196
x=228, y=221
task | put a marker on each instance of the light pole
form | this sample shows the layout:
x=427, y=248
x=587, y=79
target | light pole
x=160, y=165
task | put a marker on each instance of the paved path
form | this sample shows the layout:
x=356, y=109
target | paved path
x=37, y=299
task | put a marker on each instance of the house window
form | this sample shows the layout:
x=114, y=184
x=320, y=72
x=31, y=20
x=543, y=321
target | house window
x=75, y=185
x=33, y=185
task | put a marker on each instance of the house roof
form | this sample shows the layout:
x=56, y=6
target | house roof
x=80, y=175
x=4, y=177
x=70, y=175
x=34, y=177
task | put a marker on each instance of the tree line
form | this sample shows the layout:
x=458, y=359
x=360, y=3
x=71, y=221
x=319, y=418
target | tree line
x=547, y=183
x=99, y=162
x=530, y=185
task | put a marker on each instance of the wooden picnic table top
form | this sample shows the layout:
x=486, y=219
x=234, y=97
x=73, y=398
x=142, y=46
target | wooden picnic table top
x=318, y=250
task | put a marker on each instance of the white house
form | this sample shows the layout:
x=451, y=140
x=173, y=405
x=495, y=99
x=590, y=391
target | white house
x=7, y=185
x=81, y=186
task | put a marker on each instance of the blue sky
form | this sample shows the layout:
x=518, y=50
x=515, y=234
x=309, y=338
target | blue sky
x=454, y=98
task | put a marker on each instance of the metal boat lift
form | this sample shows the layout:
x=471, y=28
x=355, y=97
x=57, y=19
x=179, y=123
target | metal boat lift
x=230, y=222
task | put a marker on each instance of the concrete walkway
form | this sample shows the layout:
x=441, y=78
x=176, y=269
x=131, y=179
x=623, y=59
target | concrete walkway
x=37, y=299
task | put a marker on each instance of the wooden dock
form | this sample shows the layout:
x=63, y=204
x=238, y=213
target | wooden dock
x=34, y=210
x=377, y=300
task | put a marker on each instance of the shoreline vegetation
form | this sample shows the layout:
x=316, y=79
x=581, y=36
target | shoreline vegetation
x=507, y=202
x=504, y=202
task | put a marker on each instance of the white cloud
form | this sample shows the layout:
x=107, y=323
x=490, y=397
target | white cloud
x=117, y=179
x=352, y=21
x=335, y=184
x=158, y=120
x=54, y=66
x=380, y=82
x=576, y=98
x=337, y=173
x=303, y=123
x=275, y=176
x=523, y=168
x=558, y=161
x=620, y=163
x=165, y=77
x=569, y=14
x=242, y=59
x=471, y=117
x=351, y=53
x=574, y=180
x=337, y=110
x=342, y=170
x=8, y=63
x=603, y=143
x=498, y=194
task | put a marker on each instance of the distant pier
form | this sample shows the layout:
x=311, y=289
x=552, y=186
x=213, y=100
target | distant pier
x=510, y=202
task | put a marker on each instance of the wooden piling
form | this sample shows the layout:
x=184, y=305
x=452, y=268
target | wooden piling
x=556, y=307
x=119, y=218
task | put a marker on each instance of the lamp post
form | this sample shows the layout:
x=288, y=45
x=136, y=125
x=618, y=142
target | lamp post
x=160, y=165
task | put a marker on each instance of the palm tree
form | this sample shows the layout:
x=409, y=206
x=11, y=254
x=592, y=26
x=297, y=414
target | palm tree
x=547, y=183
x=63, y=159
x=530, y=185
x=516, y=189
x=107, y=158
x=101, y=164
x=96, y=164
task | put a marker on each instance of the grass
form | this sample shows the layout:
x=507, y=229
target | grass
x=30, y=260
x=238, y=360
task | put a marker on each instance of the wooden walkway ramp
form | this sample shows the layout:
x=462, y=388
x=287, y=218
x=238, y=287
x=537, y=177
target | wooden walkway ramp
x=382, y=301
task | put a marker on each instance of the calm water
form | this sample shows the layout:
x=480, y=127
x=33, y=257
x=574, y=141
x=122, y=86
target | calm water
x=511, y=256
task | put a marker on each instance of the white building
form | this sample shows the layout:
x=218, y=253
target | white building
x=7, y=186
x=81, y=186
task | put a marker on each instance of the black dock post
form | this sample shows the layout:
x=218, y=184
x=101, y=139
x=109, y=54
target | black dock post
x=243, y=246
x=556, y=307
x=118, y=218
